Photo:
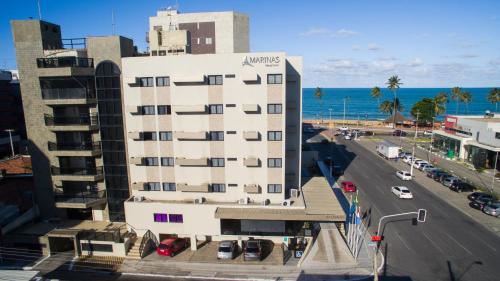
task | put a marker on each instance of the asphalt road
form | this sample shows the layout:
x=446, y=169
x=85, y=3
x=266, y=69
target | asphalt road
x=448, y=246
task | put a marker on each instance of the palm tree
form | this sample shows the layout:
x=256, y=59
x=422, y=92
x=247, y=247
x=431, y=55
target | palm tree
x=376, y=94
x=386, y=107
x=494, y=97
x=456, y=93
x=437, y=106
x=442, y=99
x=393, y=84
x=466, y=98
x=318, y=94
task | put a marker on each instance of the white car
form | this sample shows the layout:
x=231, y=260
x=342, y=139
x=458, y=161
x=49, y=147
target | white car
x=422, y=164
x=416, y=162
x=402, y=192
x=344, y=128
x=408, y=159
x=347, y=137
x=404, y=175
x=427, y=168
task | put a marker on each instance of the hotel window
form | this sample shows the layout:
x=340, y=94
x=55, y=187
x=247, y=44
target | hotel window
x=274, y=188
x=146, y=81
x=162, y=81
x=166, y=136
x=167, y=161
x=169, y=186
x=147, y=136
x=150, y=161
x=152, y=186
x=274, y=135
x=214, y=79
x=208, y=40
x=160, y=217
x=176, y=218
x=274, y=162
x=274, y=108
x=216, y=135
x=164, y=109
x=147, y=110
x=274, y=79
x=215, y=109
x=217, y=162
x=218, y=187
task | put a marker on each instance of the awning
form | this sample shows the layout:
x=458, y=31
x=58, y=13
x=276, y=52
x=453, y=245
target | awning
x=483, y=146
x=267, y=213
x=67, y=233
x=451, y=136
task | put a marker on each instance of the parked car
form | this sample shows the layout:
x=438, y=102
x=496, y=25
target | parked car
x=347, y=137
x=428, y=167
x=344, y=128
x=443, y=177
x=492, y=209
x=368, y=133
x=399, y=133
x=172, y=246
x=433, y=173
x=227, y=249
x=252, y=250
x=408, y=159
x=450, y=181
x=427, y=133
x=404, y=175
x=474, y=195
x=461, y=186
x=404, y=154
x=418, y=162
x=480, y=202
x=402, y=192
x=348, y=186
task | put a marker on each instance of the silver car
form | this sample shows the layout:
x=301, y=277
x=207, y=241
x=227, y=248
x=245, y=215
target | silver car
x=252, y=250
x=227, y=249
x=492, y=209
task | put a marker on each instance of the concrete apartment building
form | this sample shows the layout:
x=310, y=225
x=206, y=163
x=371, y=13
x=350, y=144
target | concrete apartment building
x=197, y=138
x=11, y=114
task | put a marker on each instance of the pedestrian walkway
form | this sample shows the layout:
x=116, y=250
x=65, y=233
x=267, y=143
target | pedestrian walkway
x=457, y=200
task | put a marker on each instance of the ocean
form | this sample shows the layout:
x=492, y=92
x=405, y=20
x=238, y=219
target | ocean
x=360, y=104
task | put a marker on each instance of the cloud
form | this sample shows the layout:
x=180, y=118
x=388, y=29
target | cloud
x=341, y=63
x=468, y=56
x=345, y=32
x=373, y=47
x=356, y=47
x=384, y=65
x=316, y=31
x=416, y=62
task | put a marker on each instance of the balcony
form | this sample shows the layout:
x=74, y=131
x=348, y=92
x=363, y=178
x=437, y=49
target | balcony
x=251, y=135
x=251, y=162
x=64, y=62
x=191, y=135
x=184, y=187
x=200, y=162
x=72, y=123
x=251, y=108
x=75, y=149
x=76, y=174
x=68, y=96
x=251, y=188
x=80, y=200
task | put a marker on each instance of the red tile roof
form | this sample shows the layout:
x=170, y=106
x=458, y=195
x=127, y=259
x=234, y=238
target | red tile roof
x=17, y=165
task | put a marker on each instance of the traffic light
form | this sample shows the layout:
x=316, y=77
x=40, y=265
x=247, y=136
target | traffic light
x=422, y=213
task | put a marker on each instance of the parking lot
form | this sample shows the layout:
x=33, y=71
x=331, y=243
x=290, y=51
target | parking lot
x=207, y=253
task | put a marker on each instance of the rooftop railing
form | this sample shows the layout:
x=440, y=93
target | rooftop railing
x=70, y=120
x=76, y=171
x=68, y=93
x=80, y=197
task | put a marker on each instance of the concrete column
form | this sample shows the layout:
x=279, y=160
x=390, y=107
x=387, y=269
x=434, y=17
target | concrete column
x=192, y=241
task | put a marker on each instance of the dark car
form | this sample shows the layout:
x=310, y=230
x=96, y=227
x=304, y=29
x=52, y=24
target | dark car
x=252, y=250
x=443, y=177
x=480, y=202
x=399, y=133
x=475, y=195
x=461, y=186
x=434, y=173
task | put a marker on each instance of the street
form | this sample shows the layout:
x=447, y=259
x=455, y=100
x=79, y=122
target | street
x=448, y=246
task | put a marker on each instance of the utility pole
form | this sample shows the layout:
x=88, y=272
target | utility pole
x=414, y=145
x=39, y=11
x=494, y=174
x=345, y=99
x=11, y=143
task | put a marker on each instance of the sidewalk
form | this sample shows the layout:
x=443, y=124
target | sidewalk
x=457, y=200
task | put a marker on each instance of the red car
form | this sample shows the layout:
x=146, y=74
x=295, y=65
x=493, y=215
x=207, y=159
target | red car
x=171, y=246
x=348, y=186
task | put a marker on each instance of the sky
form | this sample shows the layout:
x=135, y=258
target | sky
x=343, y=43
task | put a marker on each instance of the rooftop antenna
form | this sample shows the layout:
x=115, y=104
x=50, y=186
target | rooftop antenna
x=113, y=25
x=39, y=10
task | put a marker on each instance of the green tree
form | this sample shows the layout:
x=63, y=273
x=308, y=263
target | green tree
x=466, y=98
x=442, y=98
x=494, y=97
x=376, y=94
x=393, y=84
x=318, y=94
x=456, y=94
x=425, y=110
x=388, y=106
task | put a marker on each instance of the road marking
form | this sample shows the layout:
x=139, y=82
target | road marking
x=432, y=242
x=404, y=243
x=462, y=246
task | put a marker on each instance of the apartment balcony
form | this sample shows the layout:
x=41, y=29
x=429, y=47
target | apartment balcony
x=251, y=162
x=65, y=66
x=251, y=188
x=251, y=135
x=76, y=174
x=80, y=200
x=199, y=162
x=191, y=135
x=251, y=108
x=68, y=96
x=190, y=109
x=72, y=123
x=184, y=187
x=75, y=149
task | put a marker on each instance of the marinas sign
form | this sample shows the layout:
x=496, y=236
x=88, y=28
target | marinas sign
x=268, y=61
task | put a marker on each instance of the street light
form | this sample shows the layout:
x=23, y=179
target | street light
x=494, y=174
x=414, y=145
x=11, y=143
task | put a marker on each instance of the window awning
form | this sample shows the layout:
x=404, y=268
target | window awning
x=483, y=146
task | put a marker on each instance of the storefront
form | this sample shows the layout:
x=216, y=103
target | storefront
x=450, y=146
x=481, y=156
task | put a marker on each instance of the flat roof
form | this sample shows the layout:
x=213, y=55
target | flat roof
x=68, y=227
x=484, y=119
x=443, y=133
